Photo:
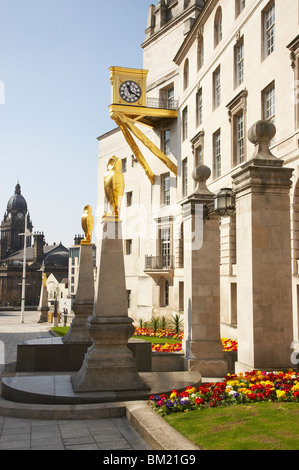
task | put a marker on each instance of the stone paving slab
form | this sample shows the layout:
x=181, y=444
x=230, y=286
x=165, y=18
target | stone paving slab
x=134, y=425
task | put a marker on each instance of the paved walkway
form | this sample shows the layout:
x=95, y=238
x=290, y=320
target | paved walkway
x=42, y=434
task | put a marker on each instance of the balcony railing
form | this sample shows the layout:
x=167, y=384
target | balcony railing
x=159, y=262
x=162, y=104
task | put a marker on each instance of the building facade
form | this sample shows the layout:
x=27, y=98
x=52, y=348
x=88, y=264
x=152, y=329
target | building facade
x=39, y=255
x=223, y=64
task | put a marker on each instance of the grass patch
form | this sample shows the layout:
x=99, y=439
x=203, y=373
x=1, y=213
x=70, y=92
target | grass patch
x=257, y=426
x=156, y=340
x=61, y=330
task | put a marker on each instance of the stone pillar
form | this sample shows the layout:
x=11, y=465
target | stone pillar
x=202, y=341
x=264, y=288
x=83, y=304
x=109, y=365
x=43, y=307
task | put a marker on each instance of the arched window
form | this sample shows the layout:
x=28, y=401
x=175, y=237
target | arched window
x=218, y=27
x=186, y=74
x=200, y=52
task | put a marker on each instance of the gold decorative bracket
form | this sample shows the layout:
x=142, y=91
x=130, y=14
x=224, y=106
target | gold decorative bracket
x=128, y=128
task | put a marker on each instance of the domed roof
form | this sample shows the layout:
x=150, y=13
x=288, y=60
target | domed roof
x=17, y=201
x=57, y=255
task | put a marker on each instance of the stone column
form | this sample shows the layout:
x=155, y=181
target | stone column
x=202, y=341
x=264, y=289
x=109, y=365
x=43, y=307
x=83, y=304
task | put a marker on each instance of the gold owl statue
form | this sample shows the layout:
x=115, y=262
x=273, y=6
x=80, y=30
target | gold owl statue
x=114, y=186
x=87, y=223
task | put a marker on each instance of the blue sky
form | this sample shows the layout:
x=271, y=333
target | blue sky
x=54, y=63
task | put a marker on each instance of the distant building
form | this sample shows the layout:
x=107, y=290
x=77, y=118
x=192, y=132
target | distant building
x=39, y=256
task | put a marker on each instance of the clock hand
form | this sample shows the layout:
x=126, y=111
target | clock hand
x=131, y=91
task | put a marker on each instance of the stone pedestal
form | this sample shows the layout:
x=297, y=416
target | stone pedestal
x=83, y=304
x=109, y=365
x=43, y=305
x=264, y=289
x=202, y=340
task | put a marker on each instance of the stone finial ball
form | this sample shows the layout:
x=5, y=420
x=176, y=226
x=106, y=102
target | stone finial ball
x=261, y=131
x=201, y=173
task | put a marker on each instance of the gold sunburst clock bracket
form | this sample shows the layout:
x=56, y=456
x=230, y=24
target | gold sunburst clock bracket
x=128, y=106
x=128, y=129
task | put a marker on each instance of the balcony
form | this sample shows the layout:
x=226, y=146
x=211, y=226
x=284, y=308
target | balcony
x=162, y=104
x=159, y=266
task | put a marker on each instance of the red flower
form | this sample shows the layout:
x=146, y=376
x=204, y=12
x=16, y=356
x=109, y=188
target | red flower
x=199, y=401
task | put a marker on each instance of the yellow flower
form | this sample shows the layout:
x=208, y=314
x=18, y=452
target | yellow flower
x=280, y=393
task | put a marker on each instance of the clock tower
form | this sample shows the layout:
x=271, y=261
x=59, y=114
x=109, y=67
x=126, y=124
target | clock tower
x=13, y=225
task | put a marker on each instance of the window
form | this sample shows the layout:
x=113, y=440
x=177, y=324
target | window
x=217, y=88
x=129, y=198
x=199, y=107
x=268, y=98
x=124, y=165
x=239, y=132
x=217, y=154
x=268, y=19
x=198, y=156
x=166, y=293
x=165, y=185
x=200, y=52
x=165, y=248
x=237, y=111
x=239, y=62
x=166, y=142
x=186, y=74
x=170, y=98
x=197, y=143
x=294, y=56
x=185, y=176
x=269, y=103
x=218, y=27
x=128, y=247
x=185, y=123
x=129, y=297
x=239, y=6
x=167, y=97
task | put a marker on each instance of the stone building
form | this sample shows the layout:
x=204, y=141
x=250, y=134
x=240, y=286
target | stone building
x=39, y=255
x=223, y=65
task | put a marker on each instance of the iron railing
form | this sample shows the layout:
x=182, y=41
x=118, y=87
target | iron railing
x=162, y=103
x=159, y=262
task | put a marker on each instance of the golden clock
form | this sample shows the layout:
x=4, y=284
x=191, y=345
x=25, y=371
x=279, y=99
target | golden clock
x=128, y=86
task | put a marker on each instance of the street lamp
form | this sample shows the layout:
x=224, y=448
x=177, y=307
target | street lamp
x=24, y=270
x=224, y=202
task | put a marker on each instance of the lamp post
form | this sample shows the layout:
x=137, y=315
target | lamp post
x=24, y=270
x=224, y=202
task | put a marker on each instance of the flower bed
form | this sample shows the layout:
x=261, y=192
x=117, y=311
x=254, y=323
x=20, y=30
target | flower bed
x=250, y=387
x=228, y=344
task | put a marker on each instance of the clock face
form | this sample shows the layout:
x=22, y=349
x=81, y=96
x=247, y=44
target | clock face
x=20, y=215
x=130, y=91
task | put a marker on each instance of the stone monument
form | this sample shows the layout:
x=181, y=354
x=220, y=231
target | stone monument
x=83, y=304
x=43, y=307
x=109, y=365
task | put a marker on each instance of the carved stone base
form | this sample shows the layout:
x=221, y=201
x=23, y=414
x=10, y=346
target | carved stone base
x=108, y=365
x=42, y=317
